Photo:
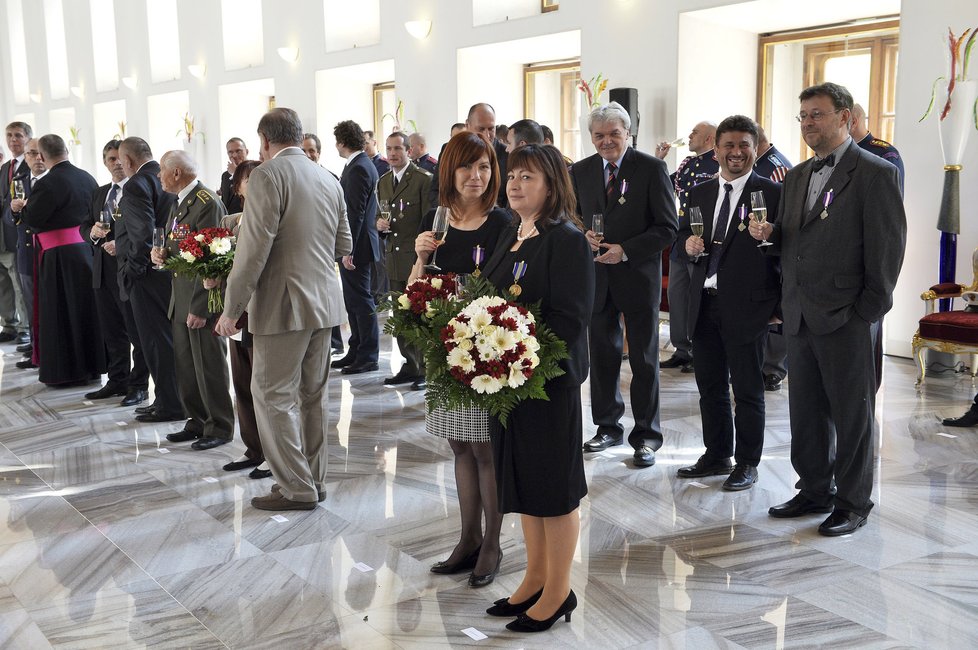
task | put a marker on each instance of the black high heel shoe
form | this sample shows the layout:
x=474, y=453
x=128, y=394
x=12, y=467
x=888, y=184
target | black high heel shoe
x=465, y=564
x=503, y=607
x=486, y=578
x=525, y=623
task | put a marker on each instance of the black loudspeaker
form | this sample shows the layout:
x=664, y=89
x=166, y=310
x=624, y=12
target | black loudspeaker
x=628, y=98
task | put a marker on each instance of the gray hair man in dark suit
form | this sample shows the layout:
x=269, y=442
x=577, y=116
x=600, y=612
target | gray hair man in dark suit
x=841, y=231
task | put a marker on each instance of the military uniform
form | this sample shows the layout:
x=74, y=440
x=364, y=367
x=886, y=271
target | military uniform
x=201, y=357
x=427, y=162
x=409, y=203
x=884, y=150
x=773, y=165
x=693, y=170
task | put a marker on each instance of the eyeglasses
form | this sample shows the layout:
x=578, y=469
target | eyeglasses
x=817, y=116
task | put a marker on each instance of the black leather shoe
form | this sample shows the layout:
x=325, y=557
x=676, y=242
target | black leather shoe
x=705, y=467
x=209, y=442
x=644, y=457
x=26, y=364
x=23, y=339
x=675, y=361
x=503, y=607
x=797, y=506
x=156, y=416
x=525, y=623
x=337, y=351
x=601, y=441
x=969, y=419
x=481, y=580
x=25, y=348
x=7, y=337
x=465, y=564
x=240, y=464
x=419, y=384
x=134, y=397
x=742, y=478
x=142, y=410
x=261, y=473
x=342, y=362
x=359, y=368
x=841, y=522
x=772, y=382
x=184, y=436
x=106, y=391
x=688, y=368
x=400, y=378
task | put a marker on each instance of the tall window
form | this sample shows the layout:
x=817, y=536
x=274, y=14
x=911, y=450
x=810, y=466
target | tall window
x=863, y=58
x=551, y=97
x=385, y=103
x=103, y=45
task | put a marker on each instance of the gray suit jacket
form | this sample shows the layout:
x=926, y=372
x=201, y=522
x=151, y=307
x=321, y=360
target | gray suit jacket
x=293, y=229
x=846, y=264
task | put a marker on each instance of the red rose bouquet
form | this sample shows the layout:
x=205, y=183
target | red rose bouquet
x=205, y=253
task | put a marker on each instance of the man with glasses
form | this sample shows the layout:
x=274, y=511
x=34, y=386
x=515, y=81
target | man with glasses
x=841, y=232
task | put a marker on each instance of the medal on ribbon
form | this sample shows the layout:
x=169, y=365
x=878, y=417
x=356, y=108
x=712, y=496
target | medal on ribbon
x=519, y=270
x=742, y=213
x=624, y=188
x=478, y=256
x=826, y=202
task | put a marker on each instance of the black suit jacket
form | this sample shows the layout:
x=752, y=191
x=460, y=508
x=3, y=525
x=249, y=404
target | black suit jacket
x=8, y=228
x=748, y=281
x=644, y=225
x=230, y=199
x=560, y=276
x=144, y=206
x=25, y=234
x=102, y=262
x=359, y=182
x=61, y=199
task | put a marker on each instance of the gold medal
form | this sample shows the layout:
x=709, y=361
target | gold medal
x=621, y=200
x=476, y=273
x=741, y=227
x=519, y=270
x=824, y=214
x=516, y=290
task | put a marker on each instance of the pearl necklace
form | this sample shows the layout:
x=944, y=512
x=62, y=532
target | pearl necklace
x=519, y=232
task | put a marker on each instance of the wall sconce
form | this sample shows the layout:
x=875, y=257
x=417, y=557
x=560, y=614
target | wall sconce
x=289, y=54
x=418, y=28
x=78, y=92
x=36, y=98
x=130, y=82
x=198, y=70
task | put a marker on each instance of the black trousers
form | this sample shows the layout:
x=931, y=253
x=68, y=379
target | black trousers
x=720, y=365
x=607, y=405
x=362, y=312
x=150, y=297
x=119, y=336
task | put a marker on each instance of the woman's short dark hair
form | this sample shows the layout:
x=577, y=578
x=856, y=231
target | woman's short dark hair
x=462, y=150
x=561, y=204
x=241, y=172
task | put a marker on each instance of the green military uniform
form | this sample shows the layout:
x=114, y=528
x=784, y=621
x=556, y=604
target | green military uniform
x=409, y=202
x=201, y=357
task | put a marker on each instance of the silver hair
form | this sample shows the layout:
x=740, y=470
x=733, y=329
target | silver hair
x=181, y=160
x=612, y=111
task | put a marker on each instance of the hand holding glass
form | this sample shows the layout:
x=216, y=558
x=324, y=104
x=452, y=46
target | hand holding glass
x=759, y=209
x=19, y=190
x=696, y=224
x=439, y=228
x=159, y=240
x=385, y=210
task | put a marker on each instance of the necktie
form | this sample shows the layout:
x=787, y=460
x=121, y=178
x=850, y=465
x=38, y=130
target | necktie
x=828, y=161
x=10, y=171
x=113, y=192
x=395, y=182
x=610, y=187
x=720, y=232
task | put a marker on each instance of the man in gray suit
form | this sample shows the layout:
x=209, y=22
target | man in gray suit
x=841, y=231
x=284, y=275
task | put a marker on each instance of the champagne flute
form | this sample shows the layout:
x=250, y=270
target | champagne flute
x=696, y=224
x=385, y=210
x=19, y=192
x=159, y=240
x=439, y=228
x=759, y=208
x=105, y=218
x=597, y=227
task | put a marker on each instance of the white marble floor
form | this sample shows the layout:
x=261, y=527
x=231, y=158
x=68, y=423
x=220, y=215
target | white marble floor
x=113, y=537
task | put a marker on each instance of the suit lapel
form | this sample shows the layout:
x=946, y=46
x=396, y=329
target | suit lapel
x=744, y=200
x=503, y=245
x=709, y=211
x=841, y=175
x=624, y=174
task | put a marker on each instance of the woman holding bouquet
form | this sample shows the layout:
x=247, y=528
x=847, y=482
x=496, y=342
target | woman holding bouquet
x=538, y=456
x=468, y=177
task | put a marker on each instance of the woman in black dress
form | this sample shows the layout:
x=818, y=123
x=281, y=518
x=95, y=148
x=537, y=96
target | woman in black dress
x=468, y=185
x=538, y=456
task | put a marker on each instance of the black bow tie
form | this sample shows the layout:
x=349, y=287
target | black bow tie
x=828, y=161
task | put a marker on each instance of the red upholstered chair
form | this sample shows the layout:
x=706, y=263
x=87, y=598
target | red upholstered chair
x=955, y=332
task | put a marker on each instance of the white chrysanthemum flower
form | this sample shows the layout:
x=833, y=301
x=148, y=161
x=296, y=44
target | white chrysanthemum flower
x=436, y=283
x=516, y=377
x=459, y=358
x=187, y=256
x=220, y=245
x=460, y=331
x=404, y=302
x=486, y=384
x=487, y=351
x=480, y=320
x=502, y=338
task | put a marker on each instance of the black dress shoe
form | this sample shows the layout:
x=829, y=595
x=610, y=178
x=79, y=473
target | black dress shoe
x=7, y=337
x=675, y=361
x=209, y=442
x=25, y=348
x=342, y=362
x=797, y=506
x=644, y=457
x=481, y=580
x=156, y=416
x=23, y=339
x=419, y=384
x=525, y=623
x=106, y=391
x=134, y=397
x=184, y=436
x=359, y=368
x=705, y=467
x=337, y=351
x=772, y=382
x=465, y=564
x=503, y=607
x=841, y=522
x=400, y=378
x=240, y=464
x=142, y=410
x=602, y=441
x=969, y=419
x=688, y=368
x=742, y=478
x=261, y=473
x=26, y=364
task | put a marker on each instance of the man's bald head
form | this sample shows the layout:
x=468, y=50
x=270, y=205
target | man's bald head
x=702, y=137
x=481, y=120
x=857, y=128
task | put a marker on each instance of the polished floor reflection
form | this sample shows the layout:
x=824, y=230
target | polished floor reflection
x=114, y=537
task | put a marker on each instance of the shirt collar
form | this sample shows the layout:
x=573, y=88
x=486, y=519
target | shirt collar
x=353, y=155
x=185, y=192
x=400, y=174
x=617, y=162
x=738, y=183
x=279, y=152
x=839, y=151
x=41, y=175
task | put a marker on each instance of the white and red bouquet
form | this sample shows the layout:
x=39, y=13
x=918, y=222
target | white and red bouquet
x=205, y=253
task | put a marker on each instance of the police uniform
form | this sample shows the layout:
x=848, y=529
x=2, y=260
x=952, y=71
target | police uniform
x=884, y=150
x=427, y=162
x=773, y=165
x=693, y=170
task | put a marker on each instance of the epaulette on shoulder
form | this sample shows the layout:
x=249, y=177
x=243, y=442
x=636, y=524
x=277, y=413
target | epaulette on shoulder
x=204, y=196
x=881, y=143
